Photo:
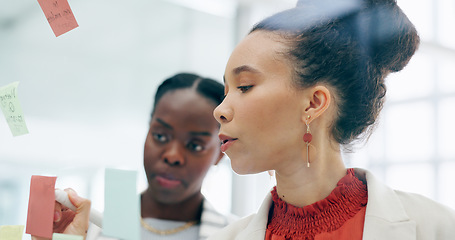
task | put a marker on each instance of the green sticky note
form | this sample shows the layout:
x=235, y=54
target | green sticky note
x=11, y=108
x=121, y=205
x=60, y=236
x=11, y=232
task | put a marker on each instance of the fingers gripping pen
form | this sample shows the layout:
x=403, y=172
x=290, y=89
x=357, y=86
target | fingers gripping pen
x=62, y=197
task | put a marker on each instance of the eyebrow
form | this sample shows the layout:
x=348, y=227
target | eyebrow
x=191, y=133
x=201, y=134
x=243, y=68
x=164, y=123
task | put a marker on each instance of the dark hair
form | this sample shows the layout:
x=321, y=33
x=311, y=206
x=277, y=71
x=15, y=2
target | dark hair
x=351, y=46
x=206, y=87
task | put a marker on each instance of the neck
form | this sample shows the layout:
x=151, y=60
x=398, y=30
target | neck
x=300, y=186
x=188, y=210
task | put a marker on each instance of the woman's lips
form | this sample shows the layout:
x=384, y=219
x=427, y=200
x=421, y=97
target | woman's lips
x=168, y=182
x=226, y=143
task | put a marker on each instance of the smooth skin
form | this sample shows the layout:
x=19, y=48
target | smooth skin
x=265, y=114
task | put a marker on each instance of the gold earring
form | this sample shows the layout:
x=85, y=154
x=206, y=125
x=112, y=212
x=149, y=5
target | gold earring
x=307, y=137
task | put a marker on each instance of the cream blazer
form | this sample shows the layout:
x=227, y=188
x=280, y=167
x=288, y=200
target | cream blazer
x=390, y=215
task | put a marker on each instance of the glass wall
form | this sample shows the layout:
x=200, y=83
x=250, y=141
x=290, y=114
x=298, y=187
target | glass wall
x=87, y=96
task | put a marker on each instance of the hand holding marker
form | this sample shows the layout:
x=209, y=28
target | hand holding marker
x=62, y=197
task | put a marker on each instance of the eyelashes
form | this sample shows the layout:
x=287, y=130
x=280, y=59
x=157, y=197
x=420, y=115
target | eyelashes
x=244, y=89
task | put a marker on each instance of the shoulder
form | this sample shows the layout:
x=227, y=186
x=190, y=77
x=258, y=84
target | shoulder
x=431, y=217
x=232, y=230
x=252, y=227
x=211, y=215
x=389, y=207
x=212, y=220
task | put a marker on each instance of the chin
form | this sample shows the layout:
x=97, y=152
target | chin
x=242, y=169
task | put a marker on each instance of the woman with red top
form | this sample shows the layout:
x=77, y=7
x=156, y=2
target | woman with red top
x=303, y=84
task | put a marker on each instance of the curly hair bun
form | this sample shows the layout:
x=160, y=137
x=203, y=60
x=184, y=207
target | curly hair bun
x=393, y=37
x=388, y=35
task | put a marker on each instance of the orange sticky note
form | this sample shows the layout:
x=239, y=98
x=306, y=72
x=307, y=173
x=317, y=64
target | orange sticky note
x=59, y=15
x=41, y=203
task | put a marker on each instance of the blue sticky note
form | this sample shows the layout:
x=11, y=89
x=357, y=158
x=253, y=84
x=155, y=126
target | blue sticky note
x=121, y=205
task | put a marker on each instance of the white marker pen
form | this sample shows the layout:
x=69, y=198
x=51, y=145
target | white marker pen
x=62, y=197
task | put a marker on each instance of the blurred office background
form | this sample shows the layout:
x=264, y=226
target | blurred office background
x=87, y=96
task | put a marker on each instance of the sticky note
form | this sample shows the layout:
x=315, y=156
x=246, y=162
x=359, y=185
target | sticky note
x=11, y=232
x=11, y=108
x=41, y=204
x=60, y=236
x=121, y=205
x=59, y=15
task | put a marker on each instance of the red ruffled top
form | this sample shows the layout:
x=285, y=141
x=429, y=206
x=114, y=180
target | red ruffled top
x=339, y=216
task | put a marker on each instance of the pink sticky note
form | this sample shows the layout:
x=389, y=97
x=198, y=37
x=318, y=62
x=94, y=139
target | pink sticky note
x=41, y=203
x=59, y=15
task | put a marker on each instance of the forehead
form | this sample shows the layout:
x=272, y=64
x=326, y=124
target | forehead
x=185, y=108
x=261, y=50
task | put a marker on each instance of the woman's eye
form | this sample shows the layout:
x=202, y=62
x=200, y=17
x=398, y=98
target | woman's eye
x=195, y=147
x=160, y=137
x=244, y=89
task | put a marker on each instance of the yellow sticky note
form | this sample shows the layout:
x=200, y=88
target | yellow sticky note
x=60, y=236
x=11, y=232
x=11, y=108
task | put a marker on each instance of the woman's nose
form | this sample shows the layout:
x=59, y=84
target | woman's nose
x=223, y=113
x=173, y=154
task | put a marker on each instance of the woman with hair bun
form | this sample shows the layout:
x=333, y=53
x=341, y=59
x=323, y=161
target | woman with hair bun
x=304, y=84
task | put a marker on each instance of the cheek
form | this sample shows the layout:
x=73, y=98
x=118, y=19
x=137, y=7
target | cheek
x=201, y=164
x=275, y=125
x=150, y=152
x=263, y=117
x=147, y=147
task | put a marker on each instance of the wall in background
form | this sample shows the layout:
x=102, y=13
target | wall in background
x=87, y=96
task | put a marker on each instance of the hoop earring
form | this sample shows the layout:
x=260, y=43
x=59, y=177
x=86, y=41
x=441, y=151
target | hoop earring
x=307, y=137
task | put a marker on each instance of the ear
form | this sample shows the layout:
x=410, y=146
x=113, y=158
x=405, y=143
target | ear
x=319, y=101
x=219, y=158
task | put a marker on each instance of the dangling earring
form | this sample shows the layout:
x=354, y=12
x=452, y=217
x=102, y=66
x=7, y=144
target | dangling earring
x=272, y=177
x=307, y=137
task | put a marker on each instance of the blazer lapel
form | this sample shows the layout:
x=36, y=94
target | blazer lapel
x=257, y=226
x=379, y=229
x=385, y=217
